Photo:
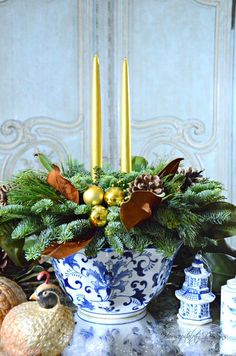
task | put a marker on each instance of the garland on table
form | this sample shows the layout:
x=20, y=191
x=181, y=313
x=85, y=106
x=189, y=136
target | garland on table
x=59, y=212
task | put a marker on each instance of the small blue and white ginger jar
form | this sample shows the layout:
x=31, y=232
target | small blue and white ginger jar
x=195, y=296
x=228, y=309
x=113, y=287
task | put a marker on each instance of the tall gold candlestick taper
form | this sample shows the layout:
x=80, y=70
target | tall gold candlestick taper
x=125, y=141
x=96, y=117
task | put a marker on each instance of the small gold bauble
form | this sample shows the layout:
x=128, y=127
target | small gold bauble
x=114, y=196
x=93, y=195
x=98, y=216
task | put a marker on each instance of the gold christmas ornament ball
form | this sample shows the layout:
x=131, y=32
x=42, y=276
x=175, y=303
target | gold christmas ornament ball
x=11, y=294
x=114, y=196
x=93, y=195
x=98, y=216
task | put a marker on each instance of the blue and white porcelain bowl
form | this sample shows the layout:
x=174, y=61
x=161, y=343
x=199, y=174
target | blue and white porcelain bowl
x=113, y=287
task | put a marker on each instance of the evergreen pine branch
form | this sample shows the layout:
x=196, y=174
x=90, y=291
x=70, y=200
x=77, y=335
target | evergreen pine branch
x=49, y=220
x=98, y=172
x=72, y=167
x=35, y=251
x=113, y=213
x=216, y=217
x=166, y=245
x=141, y=242
x=13, y=212
x=47, y=236
x=63, y=233
x=82, y=209
x=168, y=217
x=29, y=187
x=66, y=208
x=127, y=240
x=82, y=182
x=116, y=243
x=107, y=181
x=97, y=243
x=26, y=227
x=72, y=230
x=42, y=205
x=114, y=228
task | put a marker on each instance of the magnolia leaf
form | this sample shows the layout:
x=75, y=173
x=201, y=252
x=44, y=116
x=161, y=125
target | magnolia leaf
x=223, y=267
x=139, y=163
x=220, y=246
x=171, y=168
x=219, y=232
x=58, y=251
x=57, y=181
x=138, y=208
x=45, y=162
x=14, y=250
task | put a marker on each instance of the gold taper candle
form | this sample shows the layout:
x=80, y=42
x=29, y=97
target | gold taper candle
x=125, y=140
x=96, y=117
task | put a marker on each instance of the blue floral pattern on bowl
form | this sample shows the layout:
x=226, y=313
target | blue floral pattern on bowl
x=111, y=285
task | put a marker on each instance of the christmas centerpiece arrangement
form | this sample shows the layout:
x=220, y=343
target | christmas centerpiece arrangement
x=112, y=235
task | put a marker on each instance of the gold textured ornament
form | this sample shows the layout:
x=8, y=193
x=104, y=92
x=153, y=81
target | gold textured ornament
x=41, y=327
x=93, y=195
x=98, y=216
x=11, y=294
x=114, y=196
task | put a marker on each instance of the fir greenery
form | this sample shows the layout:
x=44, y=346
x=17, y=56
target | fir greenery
x=38, y=215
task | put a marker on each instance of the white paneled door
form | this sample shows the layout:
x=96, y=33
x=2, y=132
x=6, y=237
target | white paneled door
x=181, y=80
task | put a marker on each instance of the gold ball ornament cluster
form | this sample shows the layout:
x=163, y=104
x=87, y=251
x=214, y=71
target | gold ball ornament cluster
x=93, y=195
x=98, y=216
x=114, y=196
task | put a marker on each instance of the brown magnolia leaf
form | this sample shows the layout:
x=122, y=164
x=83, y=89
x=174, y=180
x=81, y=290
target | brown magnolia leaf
x=58, y=251
x=171, y=168
x=138, y=208
x=57, y=181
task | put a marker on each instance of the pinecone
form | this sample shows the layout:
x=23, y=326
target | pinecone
x=192, y=177
x=3, y=194
x=4, y=259
x=147, y=182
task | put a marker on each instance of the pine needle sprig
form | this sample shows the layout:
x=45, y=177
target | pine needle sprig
x=116, y=242
x=97, y=243
x=67, y=208
x=49, y=220
x=28, y=187
x=35, y=251
x=113, y=213
x=42, y=205
x=216, y=217
x=167, y=245
x=72, y=167
x=13, y=212
x=26, y=227
x=81, y=182
x=82, y=210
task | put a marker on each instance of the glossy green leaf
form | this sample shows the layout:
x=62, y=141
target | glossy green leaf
x=139, y=163
x=14, y=249
x=223, y=267
x=45, y=162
